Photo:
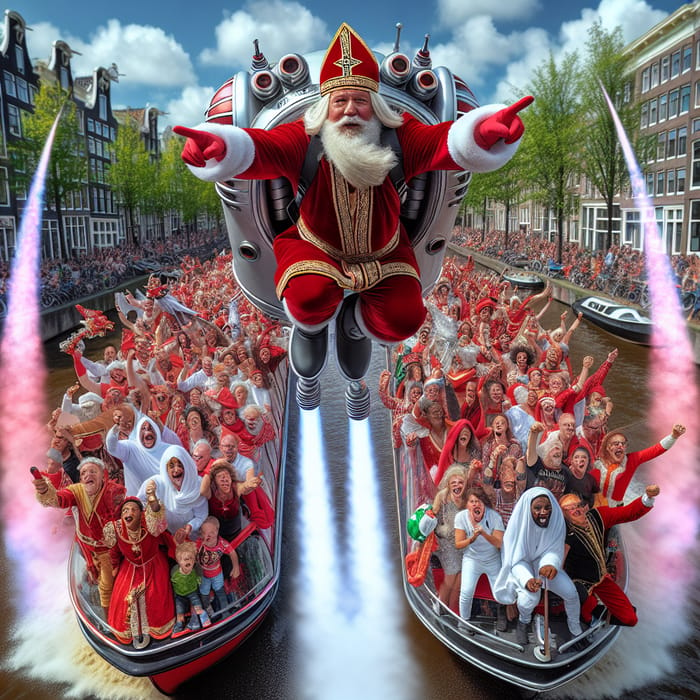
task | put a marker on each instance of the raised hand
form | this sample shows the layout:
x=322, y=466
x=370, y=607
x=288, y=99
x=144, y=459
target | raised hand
x=200, y=146
x=504, y=124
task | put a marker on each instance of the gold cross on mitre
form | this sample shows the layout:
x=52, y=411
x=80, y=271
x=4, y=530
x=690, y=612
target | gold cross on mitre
x=346, y=62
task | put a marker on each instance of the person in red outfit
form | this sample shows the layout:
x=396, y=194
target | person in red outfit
x=142, y=602
x=348, y=236
x=94, y=500
x=614, y=468
x=585, y=552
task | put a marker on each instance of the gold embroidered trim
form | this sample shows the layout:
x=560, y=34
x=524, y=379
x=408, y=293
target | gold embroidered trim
x=357, y=278
x=308, y=235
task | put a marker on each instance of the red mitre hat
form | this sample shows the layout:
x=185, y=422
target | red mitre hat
x=349, y=63
x=410, y=358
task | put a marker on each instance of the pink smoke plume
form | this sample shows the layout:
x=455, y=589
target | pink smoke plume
x=666, y=561
x=28, y=530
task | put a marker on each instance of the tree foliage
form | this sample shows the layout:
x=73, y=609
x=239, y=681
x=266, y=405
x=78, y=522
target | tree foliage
x=603, y=161
x=131, y=173
x=551, y=144
x=67, y=169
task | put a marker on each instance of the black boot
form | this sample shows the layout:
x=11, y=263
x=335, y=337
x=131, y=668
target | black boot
x=521, y=632
x=353, y=348
x=308, y=352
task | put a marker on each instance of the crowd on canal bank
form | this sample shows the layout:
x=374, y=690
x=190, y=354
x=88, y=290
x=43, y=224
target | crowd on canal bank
x=86, y=274
x=619, y=271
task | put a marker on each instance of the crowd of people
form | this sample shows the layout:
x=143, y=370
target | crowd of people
x=517, y=467
x=165, y=450
x=88, y=273
x=618, y=271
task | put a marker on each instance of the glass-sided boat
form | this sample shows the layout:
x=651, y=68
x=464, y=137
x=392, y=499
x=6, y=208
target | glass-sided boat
x=172, y=661
x=535, y=667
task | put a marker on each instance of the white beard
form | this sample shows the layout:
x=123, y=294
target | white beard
x=358, y=155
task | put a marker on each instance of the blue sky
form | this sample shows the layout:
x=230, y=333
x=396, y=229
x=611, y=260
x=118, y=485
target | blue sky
x=174, y=56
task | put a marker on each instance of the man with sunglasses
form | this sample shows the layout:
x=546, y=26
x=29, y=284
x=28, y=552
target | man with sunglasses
x=586, y=553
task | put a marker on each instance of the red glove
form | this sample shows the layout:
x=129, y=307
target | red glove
x=200, y=146
x=505, y=124
x=80, y=369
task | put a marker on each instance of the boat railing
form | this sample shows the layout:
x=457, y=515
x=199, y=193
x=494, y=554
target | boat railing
x=257, y=573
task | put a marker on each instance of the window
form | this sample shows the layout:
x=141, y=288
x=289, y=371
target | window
x=694, y=228
x=632, y=233
x=10, y=85
x=671, y=148
x=685, y=99
x=673, y=98
x=653, y=111
x=81, y=122
x=671, y=182
x=102, y=100
x=687, y=58
x=663, y=106
x=696, y=125
x=666, y=64
x=696, y=165
x=682, y=148
x=19, y=57
x=645, y=79
x=697, y=92
x=14, y=120
x=645, y=115
x=680, y=181
x=22, y=91
x=675, y=64
x=660, y=179
x=90, y=125
x=650, y=183
x=654, y=79
x=63, y=77
x=661, y=146
x=673, y=230
x=4, y=188
x=627, y=97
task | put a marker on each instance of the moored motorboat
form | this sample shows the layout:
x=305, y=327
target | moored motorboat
x=522, y=279
x=172, y=661
x=616, y=318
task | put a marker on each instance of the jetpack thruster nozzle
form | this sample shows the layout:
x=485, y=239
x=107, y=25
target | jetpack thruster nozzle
x=396, y=67
x=422, y=58
x=259, y=61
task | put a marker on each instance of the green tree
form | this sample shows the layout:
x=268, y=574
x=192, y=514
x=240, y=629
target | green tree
x=551, y=144
x=130, y=174
x=603, y=160
x=67, y=169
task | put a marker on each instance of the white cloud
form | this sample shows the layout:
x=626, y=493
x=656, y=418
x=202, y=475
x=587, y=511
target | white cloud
x=476, y=49
x=281, y=27
x=188, y=108
x=451, y=12
x=634, y=17
x=145, y=55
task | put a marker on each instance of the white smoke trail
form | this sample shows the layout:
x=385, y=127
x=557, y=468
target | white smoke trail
x=318, y=623
x=380, y=648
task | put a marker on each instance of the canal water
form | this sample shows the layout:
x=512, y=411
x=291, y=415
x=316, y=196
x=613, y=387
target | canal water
x=340, y=628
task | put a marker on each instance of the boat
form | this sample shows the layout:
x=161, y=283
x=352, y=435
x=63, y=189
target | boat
x=523, y=279
x=619, y=319
x=172, y=661
x=547, y=661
